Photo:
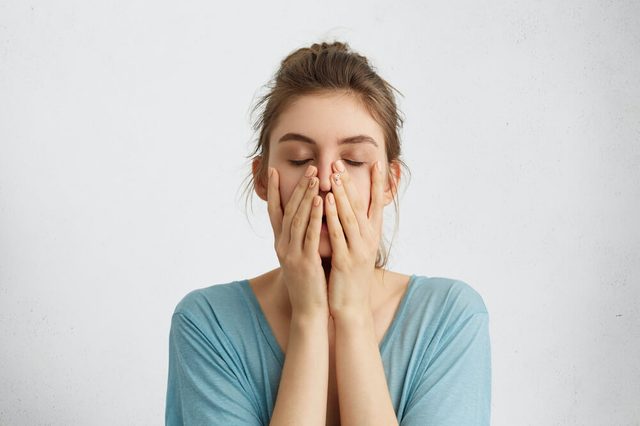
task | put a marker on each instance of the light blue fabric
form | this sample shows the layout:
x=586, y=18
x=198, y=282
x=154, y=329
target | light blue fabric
x=225, y=363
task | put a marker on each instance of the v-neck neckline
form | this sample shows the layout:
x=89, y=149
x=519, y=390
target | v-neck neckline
x=275, y=346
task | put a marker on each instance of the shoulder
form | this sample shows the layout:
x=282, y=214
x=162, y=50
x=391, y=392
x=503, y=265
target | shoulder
x=448, y=297
x=208, y=304
x=449, y=315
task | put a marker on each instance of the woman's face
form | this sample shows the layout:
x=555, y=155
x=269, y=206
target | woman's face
x=312, y=131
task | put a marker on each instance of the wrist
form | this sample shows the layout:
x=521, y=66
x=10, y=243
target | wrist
x=353, y=317
x=310, y=316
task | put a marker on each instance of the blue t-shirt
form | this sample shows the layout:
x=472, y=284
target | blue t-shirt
x=225, y=363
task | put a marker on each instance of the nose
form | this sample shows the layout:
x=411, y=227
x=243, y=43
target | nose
x=324, y=176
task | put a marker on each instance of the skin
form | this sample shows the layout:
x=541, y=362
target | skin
x=345, y=249
x=327, y=118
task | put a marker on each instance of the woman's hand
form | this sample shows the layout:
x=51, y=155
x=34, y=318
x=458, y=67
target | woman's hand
x=297, y=238
x=354, y=234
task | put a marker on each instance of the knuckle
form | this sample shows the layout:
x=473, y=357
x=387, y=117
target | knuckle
x=290, y=259
x=308, y=238
x=287, y=209
x=296, y=222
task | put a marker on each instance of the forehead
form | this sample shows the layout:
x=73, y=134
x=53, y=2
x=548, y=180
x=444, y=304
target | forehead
x=327, y=118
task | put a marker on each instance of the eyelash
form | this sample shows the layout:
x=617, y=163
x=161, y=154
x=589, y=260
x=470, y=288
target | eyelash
x=350, y=162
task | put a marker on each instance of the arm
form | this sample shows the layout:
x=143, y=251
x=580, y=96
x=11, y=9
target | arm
x=302, y=393
x=362, y=386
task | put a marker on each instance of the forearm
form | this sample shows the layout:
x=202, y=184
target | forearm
x=362, y=385
x=302, y=393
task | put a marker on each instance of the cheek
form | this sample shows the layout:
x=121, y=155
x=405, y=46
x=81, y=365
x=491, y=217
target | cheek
x=286, y=189
x=363, y=189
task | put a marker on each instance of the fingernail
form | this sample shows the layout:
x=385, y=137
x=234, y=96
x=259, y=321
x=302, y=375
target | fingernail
x=330, y=197
x=336, y=178
x=270, y=171
x=340, y=166
x=309, y=171
x=379, y=167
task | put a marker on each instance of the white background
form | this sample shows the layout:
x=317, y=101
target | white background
x=124, y=128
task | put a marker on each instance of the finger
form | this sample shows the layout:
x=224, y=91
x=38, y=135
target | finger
x=273, y=202
x=300, y=221
x=347, y=217
x=377, y=197
x=294, y=202
x=352, y=196
x=312, y=239
x=336, y=234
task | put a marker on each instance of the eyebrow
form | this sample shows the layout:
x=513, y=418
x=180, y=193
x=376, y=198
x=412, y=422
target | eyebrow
x=351, y=139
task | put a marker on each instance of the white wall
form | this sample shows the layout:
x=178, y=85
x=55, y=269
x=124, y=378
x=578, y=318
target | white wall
x=123, y=131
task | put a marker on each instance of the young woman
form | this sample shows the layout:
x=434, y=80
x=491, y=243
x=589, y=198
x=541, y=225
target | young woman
x=330, y=336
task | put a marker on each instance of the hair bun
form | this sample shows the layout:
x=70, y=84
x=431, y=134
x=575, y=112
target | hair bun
x=336, y=45
x=305, y=54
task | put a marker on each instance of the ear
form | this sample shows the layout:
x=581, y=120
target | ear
x=260, y=180
x=393, y=180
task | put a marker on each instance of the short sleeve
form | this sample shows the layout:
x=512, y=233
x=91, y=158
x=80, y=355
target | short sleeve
x=202, y=388
x=455, y=387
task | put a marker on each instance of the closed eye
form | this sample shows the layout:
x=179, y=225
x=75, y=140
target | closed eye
x=350, y=162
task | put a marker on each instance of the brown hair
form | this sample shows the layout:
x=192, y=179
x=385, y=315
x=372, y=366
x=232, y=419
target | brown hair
x=321, y=68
